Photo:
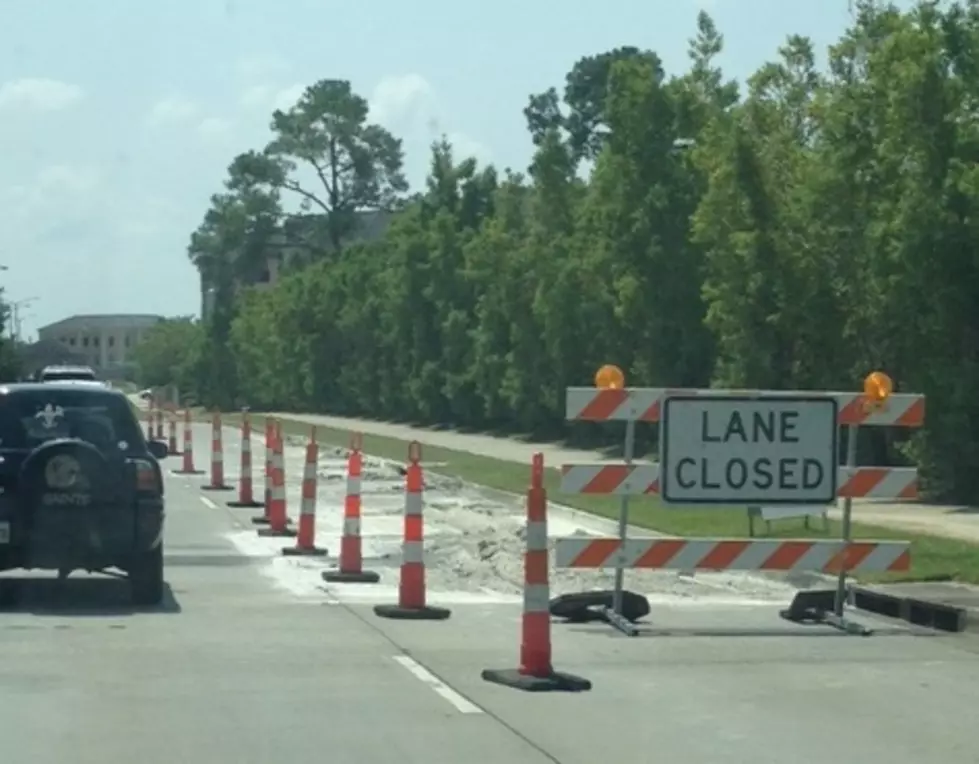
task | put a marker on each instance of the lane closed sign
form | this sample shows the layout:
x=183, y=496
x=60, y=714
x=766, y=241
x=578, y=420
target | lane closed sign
x=748, y=450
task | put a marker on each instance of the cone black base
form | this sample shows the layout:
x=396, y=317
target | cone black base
x=187, y=472
x=217, y=488
x=250, y=504
x=350, y=577
x=556, y=681
x=260, y=520
x=301, y=551
x=398, y=613
x=277, y=533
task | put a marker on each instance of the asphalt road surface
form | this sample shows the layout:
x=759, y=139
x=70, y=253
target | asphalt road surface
x=235, y=670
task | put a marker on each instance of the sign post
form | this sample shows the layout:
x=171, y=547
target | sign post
x=611, y=377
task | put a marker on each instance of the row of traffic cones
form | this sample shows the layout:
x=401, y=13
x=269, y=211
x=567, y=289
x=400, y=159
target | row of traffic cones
x=534, y=672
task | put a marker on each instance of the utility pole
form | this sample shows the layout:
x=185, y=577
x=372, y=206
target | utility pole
x=16, y=317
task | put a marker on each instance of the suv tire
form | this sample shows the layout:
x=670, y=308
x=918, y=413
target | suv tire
x=146, y=577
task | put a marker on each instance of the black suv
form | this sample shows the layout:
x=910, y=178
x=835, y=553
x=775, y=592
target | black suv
x=80, y=487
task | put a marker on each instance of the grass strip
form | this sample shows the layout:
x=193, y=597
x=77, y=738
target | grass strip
x=932, y=557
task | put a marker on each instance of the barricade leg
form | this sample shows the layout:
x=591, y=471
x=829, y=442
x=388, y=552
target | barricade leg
x=350, y=569
x=536, y=674
x=245, y=495
x=306, y=536
x=217, y=458
x=411, y=591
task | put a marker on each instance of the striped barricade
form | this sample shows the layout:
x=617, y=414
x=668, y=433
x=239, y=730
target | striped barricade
x=611, y=401
x=643, y=479
x=681, y=554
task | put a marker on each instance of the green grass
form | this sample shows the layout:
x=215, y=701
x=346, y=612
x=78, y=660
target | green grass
x=932, y=557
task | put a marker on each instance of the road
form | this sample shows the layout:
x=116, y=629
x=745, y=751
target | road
x=239, y=669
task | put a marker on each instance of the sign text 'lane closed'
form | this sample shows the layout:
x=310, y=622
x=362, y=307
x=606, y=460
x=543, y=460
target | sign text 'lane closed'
x=756, y=451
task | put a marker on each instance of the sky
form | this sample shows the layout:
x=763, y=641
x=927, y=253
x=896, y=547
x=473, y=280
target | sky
x=118, y=118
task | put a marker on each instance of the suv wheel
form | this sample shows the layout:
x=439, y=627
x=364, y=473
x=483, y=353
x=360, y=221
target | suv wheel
x=146, y=577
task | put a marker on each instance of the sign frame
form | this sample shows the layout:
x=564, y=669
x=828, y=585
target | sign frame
x=664, y=450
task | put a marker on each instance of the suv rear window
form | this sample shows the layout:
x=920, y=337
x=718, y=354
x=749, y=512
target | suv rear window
x=65, y=375
x=29, y=418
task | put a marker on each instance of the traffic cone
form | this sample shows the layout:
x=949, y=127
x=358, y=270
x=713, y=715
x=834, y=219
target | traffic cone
x=411, y=589
x=350, y=569
x=187, y=467
x=172, y=439
x=278, y=513
x=245, y=497
x=263, y=519
x=217, y=457
x=306, y=537
x=536, y=673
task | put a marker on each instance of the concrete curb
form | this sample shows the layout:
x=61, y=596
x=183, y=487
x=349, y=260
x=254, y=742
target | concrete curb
x=934, y=615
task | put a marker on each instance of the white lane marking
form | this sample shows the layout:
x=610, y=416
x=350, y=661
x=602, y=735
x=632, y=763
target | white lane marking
x=461, y=704
x=208, y=502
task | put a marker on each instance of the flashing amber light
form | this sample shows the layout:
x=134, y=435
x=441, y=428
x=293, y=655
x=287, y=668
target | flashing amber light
x=609, y=377
x=877, y=386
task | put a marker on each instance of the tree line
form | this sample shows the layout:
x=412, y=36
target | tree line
x=793, y=231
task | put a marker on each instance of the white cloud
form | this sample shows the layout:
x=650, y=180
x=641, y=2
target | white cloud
x=408, y=106
x=66, y=189
x=269, y=97
x=214, y=127
x=171, y=110
x=261, y=66
x=39, y=94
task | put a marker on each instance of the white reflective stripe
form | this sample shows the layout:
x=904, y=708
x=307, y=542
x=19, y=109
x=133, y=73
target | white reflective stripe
x=307, y=507
x=217, y=457
x=537, y=598
x=412, y=551
x=278, y=492
x=413, y=504
x=351, y=526
x=309, y=471
x=246, y=446
x=353, y=485
x=536, y=537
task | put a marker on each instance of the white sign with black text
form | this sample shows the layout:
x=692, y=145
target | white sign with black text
x=748, y=450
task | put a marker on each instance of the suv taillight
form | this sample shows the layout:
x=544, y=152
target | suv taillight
x=147, y=480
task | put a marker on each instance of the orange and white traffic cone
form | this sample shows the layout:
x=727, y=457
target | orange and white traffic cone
x=536, y=673
x=172, y=435
x=149, y=422
x=160, y=435
x=263, y=519
x=246, y=497
x=306, y=537
x=411, y=589
x=217, y=458
x=278, y=513
x=187, y=468
x=351, y=569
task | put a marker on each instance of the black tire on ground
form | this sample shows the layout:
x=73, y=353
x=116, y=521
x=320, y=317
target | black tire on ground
x=146, y=578
x=582, y=607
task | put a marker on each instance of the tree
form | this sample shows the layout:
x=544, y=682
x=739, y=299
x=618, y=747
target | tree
x=352, y=164
x=796, y=230
x=168, y=353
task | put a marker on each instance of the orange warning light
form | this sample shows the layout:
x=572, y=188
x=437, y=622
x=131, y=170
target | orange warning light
x=609, y=377
x=877, y=386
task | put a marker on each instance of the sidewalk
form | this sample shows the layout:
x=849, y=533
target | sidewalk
x=951, y=522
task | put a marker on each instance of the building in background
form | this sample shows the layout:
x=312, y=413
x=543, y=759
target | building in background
x=299, y=243
x=104, y=342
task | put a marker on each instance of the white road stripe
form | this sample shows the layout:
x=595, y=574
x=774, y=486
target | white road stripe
x=208, y=502
x=461, y=704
